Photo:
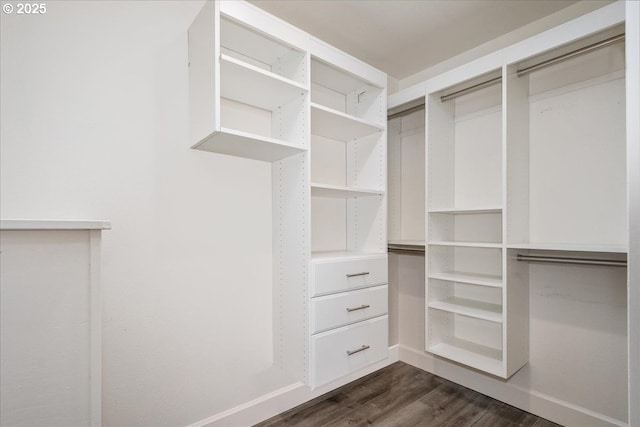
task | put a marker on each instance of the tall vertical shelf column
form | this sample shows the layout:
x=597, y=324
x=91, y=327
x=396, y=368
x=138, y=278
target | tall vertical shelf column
x=469, y=314
x=348, y=299
x=264, y=90
x=249, y=77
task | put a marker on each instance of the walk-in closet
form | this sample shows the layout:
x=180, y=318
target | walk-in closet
x=268, y=213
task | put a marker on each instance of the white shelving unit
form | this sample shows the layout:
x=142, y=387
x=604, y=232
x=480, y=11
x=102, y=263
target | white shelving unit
x=499, y=185
x=248, y=88
x=348, y=213
x=264, y=90
x=467, y=314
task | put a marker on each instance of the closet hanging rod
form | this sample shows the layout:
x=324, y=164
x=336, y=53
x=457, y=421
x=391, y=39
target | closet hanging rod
x=406, y=112
x=470, y=89
x=569, y=260
x=568, y=55
x=406, y=249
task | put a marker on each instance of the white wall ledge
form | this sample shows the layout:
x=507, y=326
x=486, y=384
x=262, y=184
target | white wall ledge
x=53, y=224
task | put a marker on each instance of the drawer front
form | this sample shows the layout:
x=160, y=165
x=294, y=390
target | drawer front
x=332, y=311
x=339, y=276
x=339, y=352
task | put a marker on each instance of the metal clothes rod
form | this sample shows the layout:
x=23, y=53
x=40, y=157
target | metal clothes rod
x=470, y=89
x=526, y=70
x=569, y=260
x=589, y=48
x=406, y=112
x=402, y=249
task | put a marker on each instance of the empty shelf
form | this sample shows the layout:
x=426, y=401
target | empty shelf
x=327, y=190
x=477, y=356
x=465, y=244
x=337, y=125
x=254, y=86
x=470, y=211
x=342, y=255
x=473, y=279
x=471, y=308
x=247, y=145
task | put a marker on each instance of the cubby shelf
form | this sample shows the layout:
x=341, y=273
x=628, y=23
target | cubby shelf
x=251, y=85
x=472, y=279
x=467, y=211
x=465, y=244
x=342, y=255
x=328, y=190
x=481, y=357
x=248, y=145
x=471, y=308
x=340, y=126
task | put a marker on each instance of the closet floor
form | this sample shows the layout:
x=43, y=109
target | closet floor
x=401, y=395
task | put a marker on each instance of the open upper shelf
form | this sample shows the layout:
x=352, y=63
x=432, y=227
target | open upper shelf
x=473, y=279
x=471, y=308
x=468, y=211
x=327, y=190
x=250, y=146
x=464, y=244
x=340, y=126
x=251, y=85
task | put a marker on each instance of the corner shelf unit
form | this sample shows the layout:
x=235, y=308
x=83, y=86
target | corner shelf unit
x=248, y=89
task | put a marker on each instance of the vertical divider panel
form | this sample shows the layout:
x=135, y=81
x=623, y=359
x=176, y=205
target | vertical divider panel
x=515, y=216
x=291, y=254
x=204, y=73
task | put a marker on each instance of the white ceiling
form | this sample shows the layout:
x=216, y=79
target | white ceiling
x=402, y=37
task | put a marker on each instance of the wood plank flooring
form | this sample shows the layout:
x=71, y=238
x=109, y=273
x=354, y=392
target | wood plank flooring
x=403, y=396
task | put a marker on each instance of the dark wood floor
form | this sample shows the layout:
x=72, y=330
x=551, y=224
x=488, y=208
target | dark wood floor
x=403, y=396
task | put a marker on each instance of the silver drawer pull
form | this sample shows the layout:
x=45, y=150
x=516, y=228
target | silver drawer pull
x=362, y=307
x=363, y=348
x=364, y=273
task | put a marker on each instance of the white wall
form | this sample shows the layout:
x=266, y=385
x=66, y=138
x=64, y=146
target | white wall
x=94, y=125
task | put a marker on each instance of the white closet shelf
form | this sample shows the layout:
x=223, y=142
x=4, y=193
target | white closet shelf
x=472, y=279
x=53, y=224
x=252, y=85
x=340, y=126
x=336, y=79
x=327, y=190
x=468, y=211
x=465, y=244
x=343, y=255
x=407, y=242
x=471, y=308
x=248, y=145
x=572, y=247
x=477, y=356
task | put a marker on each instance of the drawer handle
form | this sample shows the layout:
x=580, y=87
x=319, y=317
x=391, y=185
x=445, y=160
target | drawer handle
x=363, y=348
x=362, y=307
x=364, y=273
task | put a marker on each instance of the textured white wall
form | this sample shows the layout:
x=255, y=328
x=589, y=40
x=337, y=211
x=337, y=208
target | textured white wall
x=94, y=125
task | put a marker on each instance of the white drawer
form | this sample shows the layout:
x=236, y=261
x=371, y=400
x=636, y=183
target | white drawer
x=332, y=311
x=341, y=351
x=332, y=276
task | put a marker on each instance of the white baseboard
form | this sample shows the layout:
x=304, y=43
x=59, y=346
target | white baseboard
x=545, y=406
x=278, y=401
x=542, y=405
